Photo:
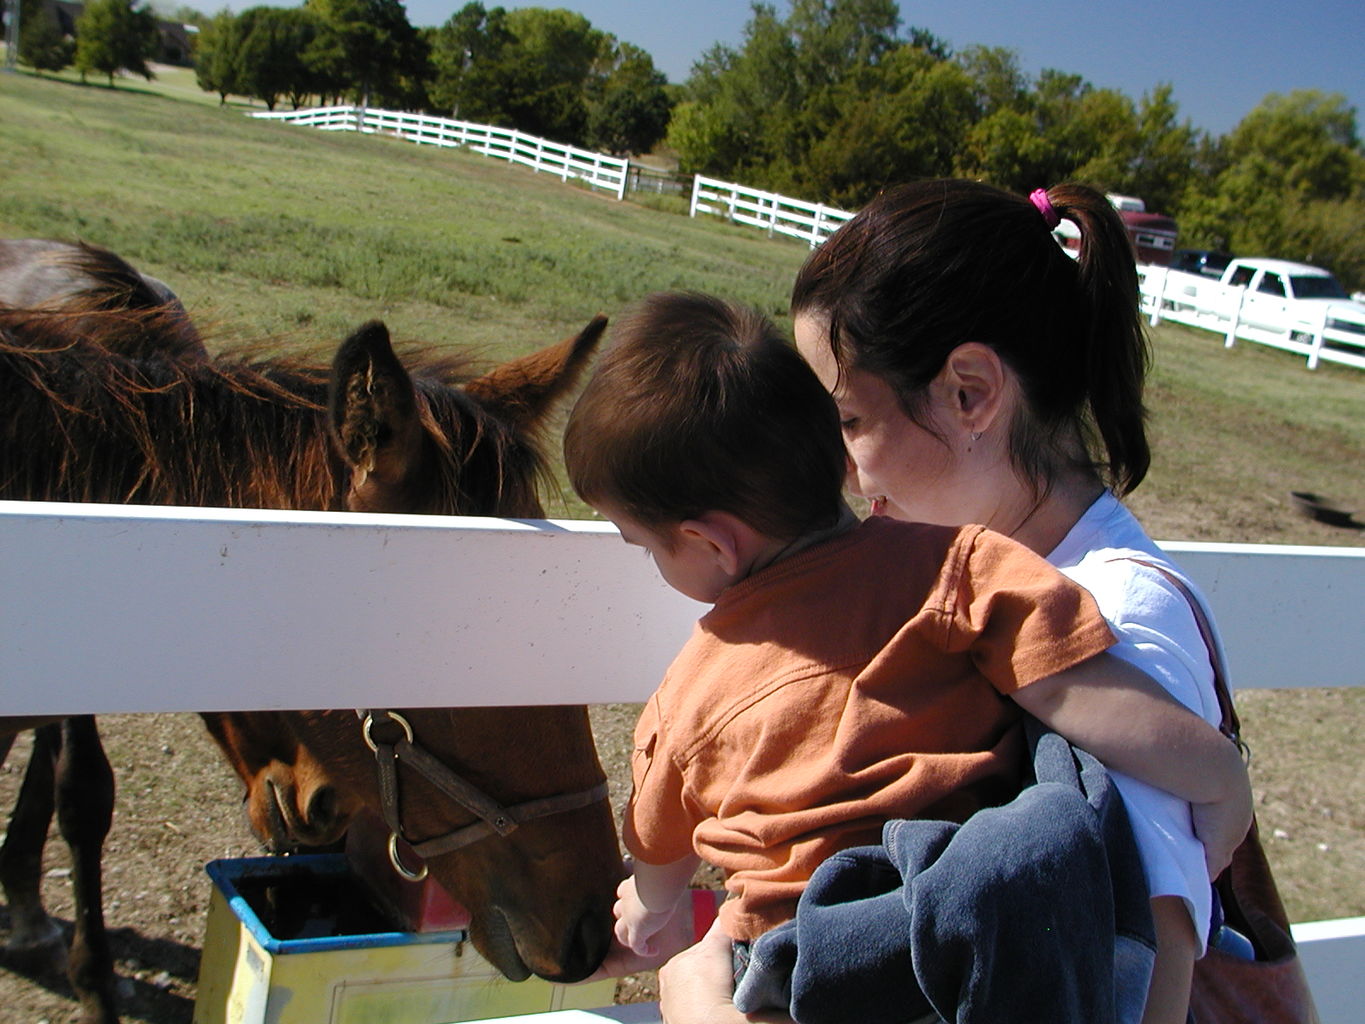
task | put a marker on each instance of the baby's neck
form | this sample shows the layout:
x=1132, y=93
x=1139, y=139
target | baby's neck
x=776, y=550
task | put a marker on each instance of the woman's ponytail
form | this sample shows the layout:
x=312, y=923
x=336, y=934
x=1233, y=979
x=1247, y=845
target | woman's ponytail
x=1114, y=350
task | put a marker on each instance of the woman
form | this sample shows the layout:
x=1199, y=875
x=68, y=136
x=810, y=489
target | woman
x=983, y=376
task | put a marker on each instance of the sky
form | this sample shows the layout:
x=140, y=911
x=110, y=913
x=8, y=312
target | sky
x=1220, y=58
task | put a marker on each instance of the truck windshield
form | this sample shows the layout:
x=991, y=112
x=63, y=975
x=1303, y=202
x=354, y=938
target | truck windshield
x=1317, y=288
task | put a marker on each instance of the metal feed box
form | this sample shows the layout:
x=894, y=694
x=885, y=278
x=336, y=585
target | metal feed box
x=338, y=965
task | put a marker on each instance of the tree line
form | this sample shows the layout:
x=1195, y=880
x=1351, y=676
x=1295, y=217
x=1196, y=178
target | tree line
x=830, y=102
x=835, y=100
x=546, y=72
x=111, y=36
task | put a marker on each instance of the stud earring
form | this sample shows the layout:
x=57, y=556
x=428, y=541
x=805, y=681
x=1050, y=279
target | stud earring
x=976, y=436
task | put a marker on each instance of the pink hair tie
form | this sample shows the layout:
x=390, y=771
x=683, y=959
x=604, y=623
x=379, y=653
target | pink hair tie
x=1038, y=197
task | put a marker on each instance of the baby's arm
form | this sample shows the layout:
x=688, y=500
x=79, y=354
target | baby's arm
x=648, y=899
x=1116, y=712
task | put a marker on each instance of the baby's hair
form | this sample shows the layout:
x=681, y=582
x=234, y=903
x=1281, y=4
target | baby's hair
x=928, y=266
x=701, y=405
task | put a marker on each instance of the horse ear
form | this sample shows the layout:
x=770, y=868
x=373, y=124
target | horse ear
x=524, y=391
x=372, y=405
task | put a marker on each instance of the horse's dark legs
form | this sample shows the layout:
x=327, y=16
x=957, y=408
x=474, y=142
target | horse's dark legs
x=21, y=858
x=85, y=810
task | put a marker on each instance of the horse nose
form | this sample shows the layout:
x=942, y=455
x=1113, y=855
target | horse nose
x=324, y=810
x=586, y=947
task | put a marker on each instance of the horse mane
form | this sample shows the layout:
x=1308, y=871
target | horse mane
x=82, y=422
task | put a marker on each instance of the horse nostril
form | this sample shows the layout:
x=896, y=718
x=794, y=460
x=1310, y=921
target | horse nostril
x=323, y=808
x=588, y=945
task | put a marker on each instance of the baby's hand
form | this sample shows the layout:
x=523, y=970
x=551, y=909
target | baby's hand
x=636, y=924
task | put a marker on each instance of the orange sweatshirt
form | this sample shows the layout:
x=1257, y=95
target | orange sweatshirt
x=860, y=680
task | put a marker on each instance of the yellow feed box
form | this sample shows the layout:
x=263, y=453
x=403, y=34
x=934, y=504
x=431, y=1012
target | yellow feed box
x=329, y=972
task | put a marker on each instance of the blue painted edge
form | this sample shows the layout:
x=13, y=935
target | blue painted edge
x=225, y=873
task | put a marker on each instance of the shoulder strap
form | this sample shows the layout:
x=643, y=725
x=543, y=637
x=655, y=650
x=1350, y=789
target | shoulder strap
x=1231, y=725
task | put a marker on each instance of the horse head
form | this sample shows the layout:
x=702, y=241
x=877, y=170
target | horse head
x=539, y=889
x=539, y=897
x=290, y=801
x=425, y=446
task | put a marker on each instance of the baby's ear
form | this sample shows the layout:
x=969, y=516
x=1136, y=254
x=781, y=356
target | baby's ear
x=725, y=536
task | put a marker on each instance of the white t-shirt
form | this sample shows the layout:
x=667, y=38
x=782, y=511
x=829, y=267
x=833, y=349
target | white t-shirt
x=1158, y=632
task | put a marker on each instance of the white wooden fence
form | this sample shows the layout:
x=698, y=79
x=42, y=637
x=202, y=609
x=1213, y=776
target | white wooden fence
x=778, y=215
x=114, y=608
x=595, y=169
x=1236, y=312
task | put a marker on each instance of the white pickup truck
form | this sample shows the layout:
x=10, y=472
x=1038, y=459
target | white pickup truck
x=1293, y=299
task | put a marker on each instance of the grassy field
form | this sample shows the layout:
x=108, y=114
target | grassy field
x=298, y=235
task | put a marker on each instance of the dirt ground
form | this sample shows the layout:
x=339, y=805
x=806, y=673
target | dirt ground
x=178, y=808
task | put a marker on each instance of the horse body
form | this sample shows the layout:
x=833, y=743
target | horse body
x=79, y=422
x=76, y=278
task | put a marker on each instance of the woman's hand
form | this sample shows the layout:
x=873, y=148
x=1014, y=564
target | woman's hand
x=1222, y=825
x=698, y=986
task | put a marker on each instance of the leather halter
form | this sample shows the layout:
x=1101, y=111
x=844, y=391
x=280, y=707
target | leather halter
x=495, y=818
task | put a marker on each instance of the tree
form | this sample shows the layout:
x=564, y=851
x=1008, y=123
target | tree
x=471, y=64
x=829, y=102
x=217, y=65
x=1286, y=181
x=42, y=45
x=998, y=83
x=738, y=103
x=270, y=54
x=1163, y=163
x=370, y=46
x=555, y=55
x=113, y=35
x=628, y=107
x=907, y=122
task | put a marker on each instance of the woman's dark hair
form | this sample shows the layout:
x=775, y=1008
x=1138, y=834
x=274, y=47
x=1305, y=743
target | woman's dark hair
x=701, y=405
x=928, y=266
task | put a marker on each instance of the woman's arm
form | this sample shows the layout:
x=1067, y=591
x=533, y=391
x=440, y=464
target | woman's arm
x=1116, y=712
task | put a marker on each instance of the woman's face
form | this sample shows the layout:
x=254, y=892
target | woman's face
x=903, y=469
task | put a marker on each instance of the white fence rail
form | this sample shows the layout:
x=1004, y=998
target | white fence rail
x=1315, y=331
x=113, y=608
x=595, y=169
x=778, y=215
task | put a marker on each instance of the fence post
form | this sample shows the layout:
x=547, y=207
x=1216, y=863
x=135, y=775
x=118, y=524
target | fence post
x=1156, y=294
x=816, y=231
x=1315, y=350
x=1236, y=317
x=696, y=195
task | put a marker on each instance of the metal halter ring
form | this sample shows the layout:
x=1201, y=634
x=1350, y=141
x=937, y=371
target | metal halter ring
x=393, y=717
x=396, y=861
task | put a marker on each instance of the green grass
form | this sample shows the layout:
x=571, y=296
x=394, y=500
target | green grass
x=297, y=234
x=265, y=227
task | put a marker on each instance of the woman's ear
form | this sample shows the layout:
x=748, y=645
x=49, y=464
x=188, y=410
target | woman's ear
x=975, y=380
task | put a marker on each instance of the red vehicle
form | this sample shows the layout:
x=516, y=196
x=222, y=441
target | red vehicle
x=1153, y=234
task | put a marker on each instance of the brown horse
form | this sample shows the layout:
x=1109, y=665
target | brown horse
x=79, y=422
x=77, y=278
